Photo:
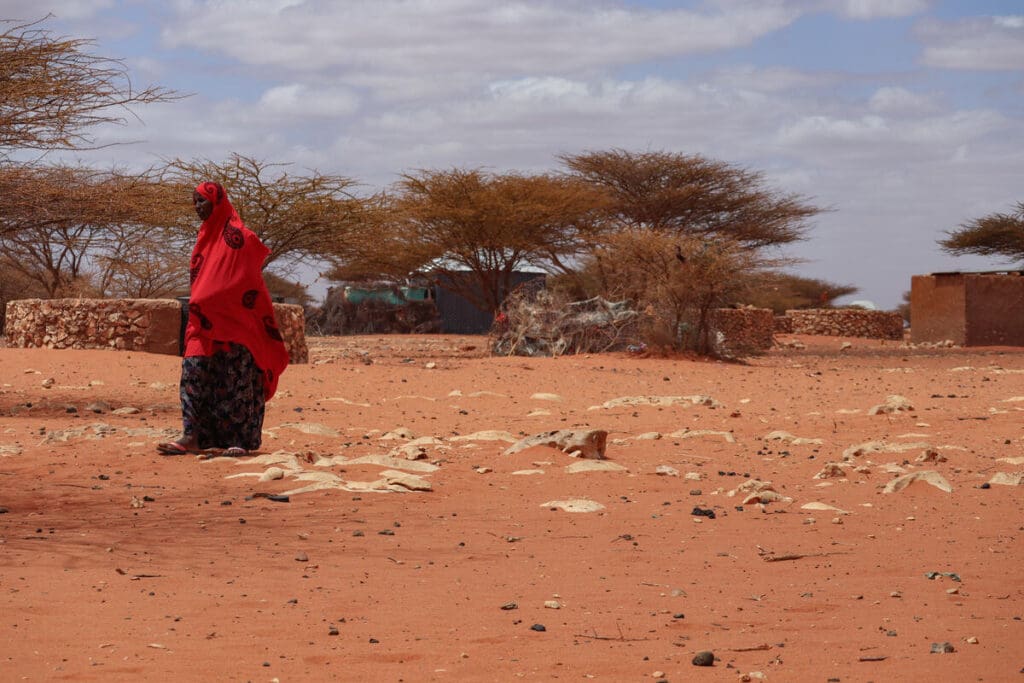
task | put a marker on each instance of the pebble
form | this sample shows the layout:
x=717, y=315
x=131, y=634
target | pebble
x=552, y=604
x=332, y=631
x=509, y=606
x=942, y=648
x=704, y=658
x=538, y=627
x=302, y=557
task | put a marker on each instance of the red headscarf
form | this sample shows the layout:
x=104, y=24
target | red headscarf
x=229, y=301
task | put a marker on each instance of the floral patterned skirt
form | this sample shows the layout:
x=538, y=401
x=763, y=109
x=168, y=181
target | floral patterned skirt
x=222, y=401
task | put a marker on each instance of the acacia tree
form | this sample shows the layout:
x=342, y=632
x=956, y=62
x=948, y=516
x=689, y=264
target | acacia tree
x=469, y=230
x=678, y=194
x=53, y=90
x=75, y=230
x=782, y=291
x=298, y=216
x=677, y=282
x=997, y=234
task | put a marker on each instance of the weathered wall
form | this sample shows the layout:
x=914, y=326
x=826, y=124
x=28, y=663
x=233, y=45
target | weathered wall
x=746, y=330
x=968, y=309
x=995, y=309
x=151, y=325
x=847, y=322
x=938, y=309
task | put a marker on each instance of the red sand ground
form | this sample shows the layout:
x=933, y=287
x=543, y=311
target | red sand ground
x=203, y=582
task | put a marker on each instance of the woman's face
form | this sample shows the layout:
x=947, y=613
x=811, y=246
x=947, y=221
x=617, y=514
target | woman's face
x=204, y=207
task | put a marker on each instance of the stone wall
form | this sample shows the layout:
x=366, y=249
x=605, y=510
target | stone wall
x=745, y=330
x=150, y=325
x=847, y=322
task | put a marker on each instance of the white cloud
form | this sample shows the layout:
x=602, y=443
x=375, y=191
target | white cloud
x=986, y=43
x=368, y=41
x=32, y=10
x=875, y=9
x=301, y=101
x=900, y=101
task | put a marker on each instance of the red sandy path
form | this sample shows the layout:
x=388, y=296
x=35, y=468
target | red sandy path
x=94, y=589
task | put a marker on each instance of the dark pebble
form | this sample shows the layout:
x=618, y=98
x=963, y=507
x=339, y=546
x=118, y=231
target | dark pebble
x=386, y=532
x=678, y=615
x=986, y=485
x=704, y=658
x=4, y=511
x=225, y=502
x=104, y=477
x=509, y=605
x=332, y=631
x=538, y=627
x=942, y=648
x=374, y=641
x=71, y=409
x=358, y=532
x=701, y=512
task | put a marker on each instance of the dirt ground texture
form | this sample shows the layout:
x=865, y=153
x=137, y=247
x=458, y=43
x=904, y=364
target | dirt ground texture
x=117, y=563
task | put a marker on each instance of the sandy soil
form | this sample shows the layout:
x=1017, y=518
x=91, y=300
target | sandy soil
x=117, y=563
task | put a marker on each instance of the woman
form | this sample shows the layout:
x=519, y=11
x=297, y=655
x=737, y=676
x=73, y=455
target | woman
x=233, y=352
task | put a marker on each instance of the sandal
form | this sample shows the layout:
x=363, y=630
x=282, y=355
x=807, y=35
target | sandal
x=172, y=448
x=235, y=452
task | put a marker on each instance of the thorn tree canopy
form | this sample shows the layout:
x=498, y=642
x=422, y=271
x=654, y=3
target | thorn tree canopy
x=470, y=230
x=298, y=217
x=679, y=194
x=997, y=234
x=76, y=229
x=52, y=90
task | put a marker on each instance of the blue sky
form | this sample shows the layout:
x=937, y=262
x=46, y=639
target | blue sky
x=904, y=117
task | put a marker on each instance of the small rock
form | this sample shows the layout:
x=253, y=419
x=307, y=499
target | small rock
x=972, y=640
x=332, y=631
x=942, y=648
x=509, y=606
x=302, y=557
x=538, y=627
x=552, y=604
x=704, y=658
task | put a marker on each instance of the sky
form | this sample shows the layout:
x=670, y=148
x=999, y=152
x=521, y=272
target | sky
x=903, y=118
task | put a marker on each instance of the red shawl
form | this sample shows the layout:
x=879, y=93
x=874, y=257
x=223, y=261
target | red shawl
x=229, y=301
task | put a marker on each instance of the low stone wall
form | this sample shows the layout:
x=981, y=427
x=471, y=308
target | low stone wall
x=150, y=325
x=847, y=322
x=746, y=330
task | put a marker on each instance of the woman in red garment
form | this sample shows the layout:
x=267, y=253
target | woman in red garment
x=234, y=352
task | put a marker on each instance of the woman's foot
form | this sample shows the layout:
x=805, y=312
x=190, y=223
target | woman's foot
x=180, y=447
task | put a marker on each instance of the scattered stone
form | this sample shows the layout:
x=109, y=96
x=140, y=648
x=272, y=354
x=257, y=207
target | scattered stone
x=272, y=474
x=931, y=455
x=1007, y=479
x=831, y=470
x=594, y=466
x=694, y=433
x=126, y=410
x=574, y=505
x=648, y=436
x=538, y=627
x=552, y=604
x=972, y=640
x=302, y=557
x=790, y=439
x=893, y=404
x=703, y=512
x=824, y=507
x=942, y=648
x=934, y=575
x=666, y=471
x=929, y=477
x=397, y=481
x=588, y=443
x=509, y=606
x=663, y=401
x=704, y=658
x=332, y=630
x=546, y=397
x=486, y=435
x=98, y=407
